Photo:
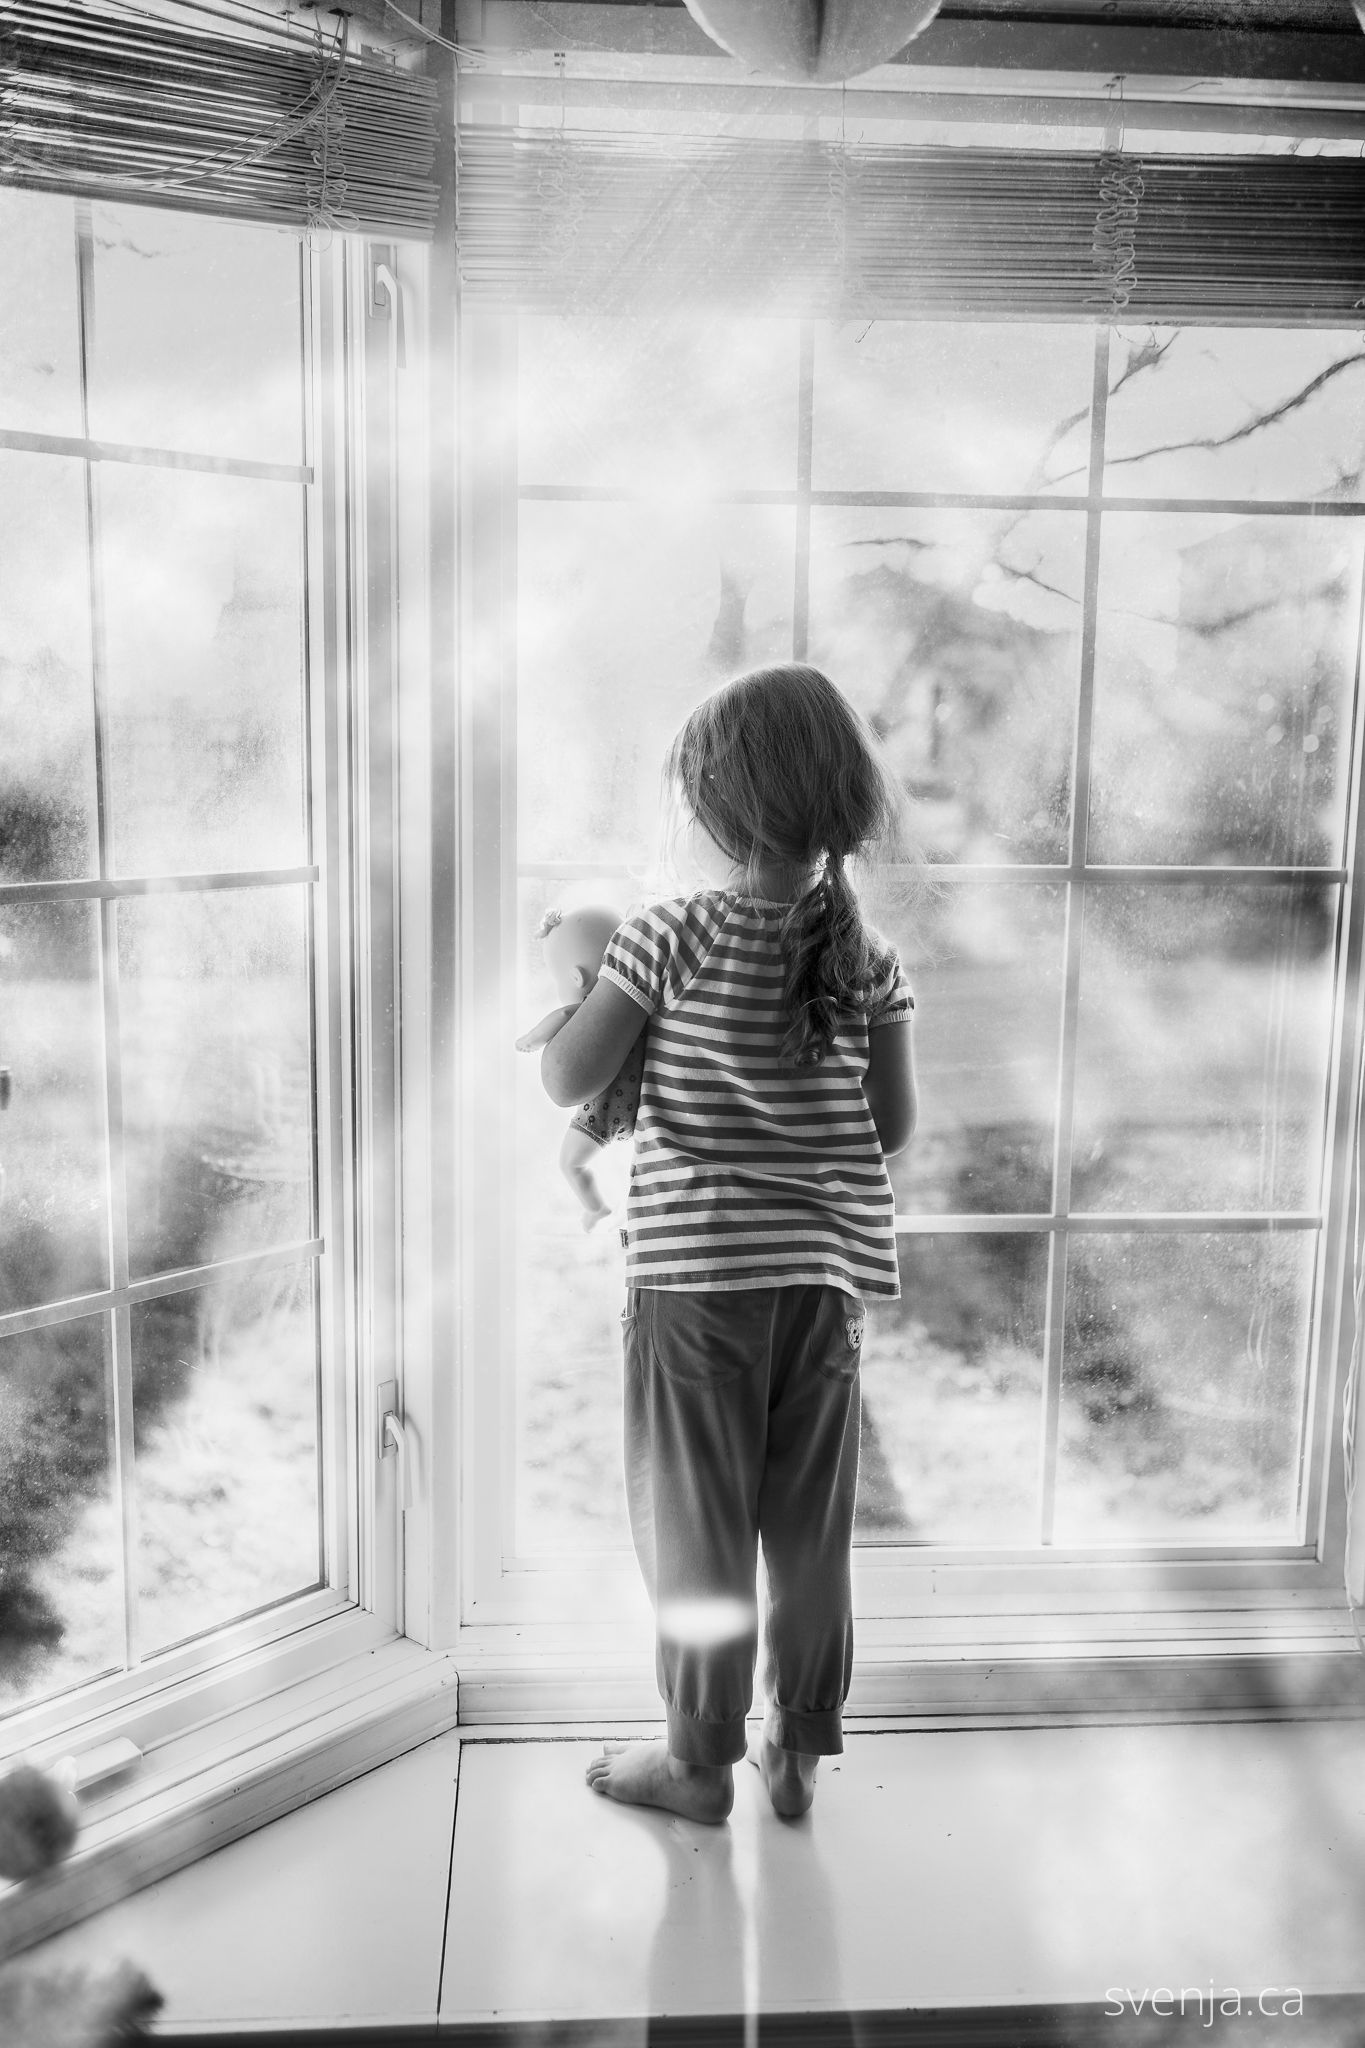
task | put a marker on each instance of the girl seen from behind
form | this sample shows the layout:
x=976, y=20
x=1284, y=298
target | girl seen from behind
x=778, y=1077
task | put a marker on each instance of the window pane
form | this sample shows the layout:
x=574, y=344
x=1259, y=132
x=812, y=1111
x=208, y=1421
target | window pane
x=203, y=579
x=957, y=635
x=1235, y=412
x=1223, y=676
x=928, y=406
x=985, y=961
x=61, y=1602
x=47, y=744
x=1202, y=1047
x=681, y=406
x=225, y=1408
x=54, y=1215
x=197, y=335
x=40, y=375
x=627, y=618
x=1182, y=1386
x=952, y=1381
x=216, y=1075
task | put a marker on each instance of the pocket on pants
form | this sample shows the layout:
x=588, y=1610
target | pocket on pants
x=838, y=1349
x=706, y=1340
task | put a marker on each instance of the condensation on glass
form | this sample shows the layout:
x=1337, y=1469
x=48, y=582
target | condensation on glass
x=1102, y=1054
x=160, y=1044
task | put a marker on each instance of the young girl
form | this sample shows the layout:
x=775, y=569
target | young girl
x=778, y=1076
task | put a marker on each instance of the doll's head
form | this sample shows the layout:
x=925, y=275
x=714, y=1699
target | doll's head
x=573, y=943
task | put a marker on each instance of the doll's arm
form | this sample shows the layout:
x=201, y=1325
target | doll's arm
x=551, y=1023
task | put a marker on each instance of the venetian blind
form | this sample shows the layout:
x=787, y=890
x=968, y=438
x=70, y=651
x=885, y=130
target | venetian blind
x=279, y=126
x=555, y=220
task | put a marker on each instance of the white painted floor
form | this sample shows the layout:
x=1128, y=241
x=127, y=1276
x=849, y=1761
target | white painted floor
x=938, y=1868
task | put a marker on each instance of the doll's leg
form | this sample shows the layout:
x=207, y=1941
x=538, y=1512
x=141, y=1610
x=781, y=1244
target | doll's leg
x=577, y=1157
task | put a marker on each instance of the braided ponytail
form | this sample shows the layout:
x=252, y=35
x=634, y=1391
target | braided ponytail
x=833, y=965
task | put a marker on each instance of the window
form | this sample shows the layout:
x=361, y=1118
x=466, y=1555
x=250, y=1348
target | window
x=193, y=832
x=1099, y=589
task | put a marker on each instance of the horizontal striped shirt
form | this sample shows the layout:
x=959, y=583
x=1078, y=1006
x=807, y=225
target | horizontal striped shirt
x=747, y=1173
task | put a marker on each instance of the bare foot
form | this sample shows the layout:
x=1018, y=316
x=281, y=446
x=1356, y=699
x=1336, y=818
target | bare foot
x=644, y=1774
x=789, y=1775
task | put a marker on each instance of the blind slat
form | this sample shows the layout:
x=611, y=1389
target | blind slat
x=561, y=221
x=279, y=131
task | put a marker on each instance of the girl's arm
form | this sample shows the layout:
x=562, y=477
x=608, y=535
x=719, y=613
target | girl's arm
x=589, y=1052
x=889, y=1083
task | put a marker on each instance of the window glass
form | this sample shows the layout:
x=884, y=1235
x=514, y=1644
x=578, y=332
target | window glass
x=197, y=341
x=1202, y=1046
x=1182, y=1386
x=54, y=1176
x=671, y=406
x=938, y=406
x=985, y=960
x=59, y=1517
x=1235, y=412
x=952, y=1377
x=216, y=1075
x=203, y=581
x=628, y=615
x=225, y=1423
x=957, y=635
x=1224, y=670
x=40, y=372
x=47, y=759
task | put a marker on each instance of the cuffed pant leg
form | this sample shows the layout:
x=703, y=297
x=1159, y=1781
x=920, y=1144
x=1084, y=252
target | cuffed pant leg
x=696, y=1424
x=806, y=1518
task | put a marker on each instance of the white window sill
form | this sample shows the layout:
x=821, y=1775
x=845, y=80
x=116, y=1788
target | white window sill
x=223, y=1774
x=227, y=1774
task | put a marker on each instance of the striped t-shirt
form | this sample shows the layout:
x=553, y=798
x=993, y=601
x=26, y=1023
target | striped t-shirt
x=747, y=1173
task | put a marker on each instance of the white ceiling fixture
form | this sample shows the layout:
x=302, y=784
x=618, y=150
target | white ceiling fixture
x=816, y=40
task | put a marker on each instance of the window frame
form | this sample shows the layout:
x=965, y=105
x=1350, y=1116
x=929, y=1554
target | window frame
x=912, y=1603
x=246, y=1722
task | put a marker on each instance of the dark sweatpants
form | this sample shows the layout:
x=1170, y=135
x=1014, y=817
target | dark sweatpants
x=742, y=1422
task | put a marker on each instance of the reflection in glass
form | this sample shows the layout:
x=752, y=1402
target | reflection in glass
x=1235, y=412
x=927, y=406
x=216, y=1074
x=674, y=405
x=40, y=377
x=1223, y=677
x=47, y=758
x=61, y=1598
x=985, y=962
x=197, y=337
x=1182, y=1386
x=952, y=1379
x=225, y=1404
x=628, y=616
x=1202, y=1043
x=956, y=634
x=203, y=580
x=54, y=1201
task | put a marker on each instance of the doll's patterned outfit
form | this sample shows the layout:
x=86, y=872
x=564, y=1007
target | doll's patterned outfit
x=611, y=1114
x=760, y=1216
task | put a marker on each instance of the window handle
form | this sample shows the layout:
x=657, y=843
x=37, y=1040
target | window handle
x=383, y=279
x=395, y=1440
x=6, y=1087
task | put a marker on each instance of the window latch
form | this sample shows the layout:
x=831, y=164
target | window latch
x=395, y=1439
x=384, y=280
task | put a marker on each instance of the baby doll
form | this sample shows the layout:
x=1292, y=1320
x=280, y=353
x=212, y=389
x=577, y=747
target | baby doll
x=574, y=942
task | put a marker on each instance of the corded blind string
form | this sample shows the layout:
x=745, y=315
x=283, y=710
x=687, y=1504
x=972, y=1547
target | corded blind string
x=114, y=101
x=1349, y=1392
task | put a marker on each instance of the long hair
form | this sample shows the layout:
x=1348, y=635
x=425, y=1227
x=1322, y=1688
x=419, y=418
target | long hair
x=781, y=771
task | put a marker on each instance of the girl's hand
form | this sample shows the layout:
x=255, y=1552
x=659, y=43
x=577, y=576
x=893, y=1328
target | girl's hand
x=550, y=1024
